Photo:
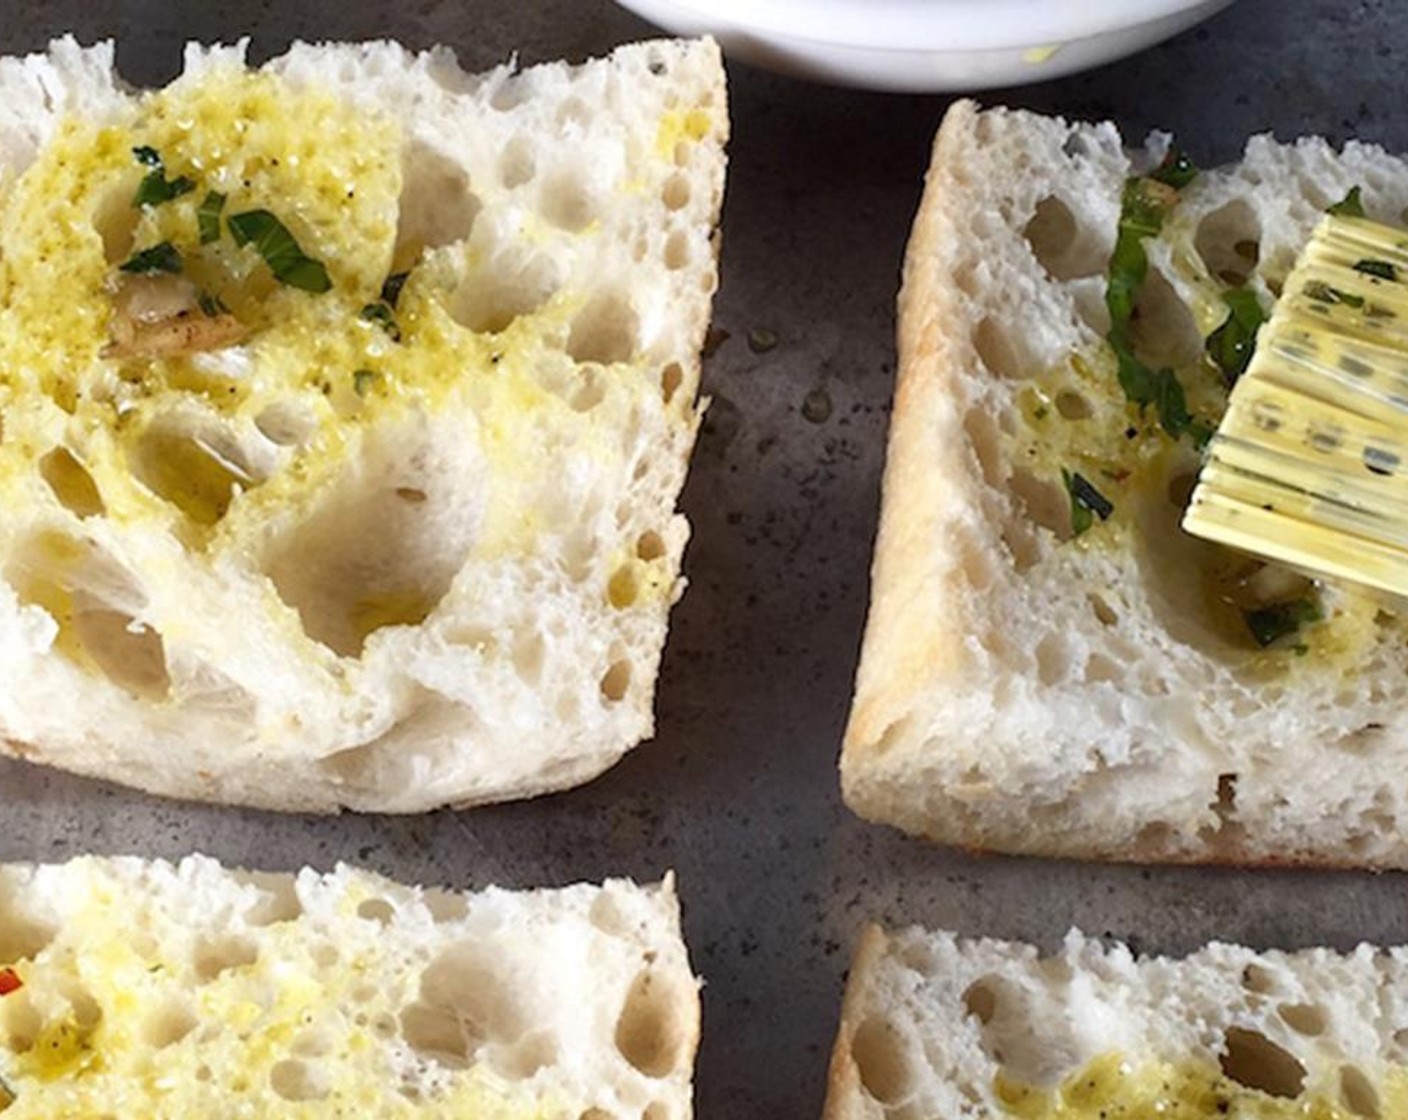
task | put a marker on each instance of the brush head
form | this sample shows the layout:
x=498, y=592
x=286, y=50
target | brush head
x=1309, y=466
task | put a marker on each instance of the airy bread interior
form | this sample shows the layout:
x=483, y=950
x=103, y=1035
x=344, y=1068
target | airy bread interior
x=1024, y=689
x=378, y=588
x=190, y=990
x=938, y=1026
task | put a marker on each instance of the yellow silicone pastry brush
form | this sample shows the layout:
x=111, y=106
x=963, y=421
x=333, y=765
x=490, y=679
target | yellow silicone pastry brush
x=1309, y=466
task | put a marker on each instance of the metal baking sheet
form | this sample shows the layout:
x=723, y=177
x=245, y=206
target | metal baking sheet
x=738, y=790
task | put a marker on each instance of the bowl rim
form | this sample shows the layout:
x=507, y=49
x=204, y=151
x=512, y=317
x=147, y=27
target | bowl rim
x=928, y=24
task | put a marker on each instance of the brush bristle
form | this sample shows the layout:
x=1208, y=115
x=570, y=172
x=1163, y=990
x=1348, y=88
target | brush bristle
x=1308, y=464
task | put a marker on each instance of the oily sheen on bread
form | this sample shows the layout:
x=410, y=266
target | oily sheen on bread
x=938, y=1026
x=135, y=988
x=346, y=402
x=1037, y=678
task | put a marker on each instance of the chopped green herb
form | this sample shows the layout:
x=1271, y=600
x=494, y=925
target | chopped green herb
x=155, y=188
x=363, y=380
x=1232, y=344
x=272, y=241
x=1087, y=503
x=1350, y=206
x=391, y=290
x=1041, y=412
x=1144, y=205
x=1268, y=624
x=1321, y=292
x=211, y=305
x=1384, y=270
x=208, y=217
x=1177, y=170
x=382, y=314
x=159, y=258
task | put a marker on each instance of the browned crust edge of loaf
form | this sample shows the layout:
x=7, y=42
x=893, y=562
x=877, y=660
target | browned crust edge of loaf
x=844, y=1096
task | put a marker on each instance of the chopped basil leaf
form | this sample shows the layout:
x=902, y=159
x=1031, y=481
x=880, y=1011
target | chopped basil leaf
x=159, y=258
x=211, y=305
x=1144, y=205
x=272, y=241
x=1321, y=292
x=155, y=188
x=1177, y=170
x=1232, y=344
x=208, y=217
x=1087, y=503
x=1350, y=206
x=391, y=290
x=1384, y=270
x=363, y=380
x=382, y=314
x=1268, y=624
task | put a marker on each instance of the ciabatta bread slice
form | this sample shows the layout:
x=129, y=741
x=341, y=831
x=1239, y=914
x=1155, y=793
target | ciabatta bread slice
x=950, y=1029
x=346, y=402
x=134, y=988
x=1026, y=689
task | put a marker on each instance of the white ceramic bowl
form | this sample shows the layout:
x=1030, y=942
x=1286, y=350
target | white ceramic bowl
x=929, y=45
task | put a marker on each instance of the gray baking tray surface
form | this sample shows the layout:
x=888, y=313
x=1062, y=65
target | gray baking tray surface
x=738, y=791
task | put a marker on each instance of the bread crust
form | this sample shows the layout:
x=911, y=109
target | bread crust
x=973, y=723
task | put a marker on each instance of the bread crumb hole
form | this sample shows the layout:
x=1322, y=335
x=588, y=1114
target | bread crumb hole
x=529, y=1055
x=325, y=955
x=529, y=656
x=286, y=423
x=1358, y=1093
x=1053, y=662
x=518, y=163
x=376, y=910
x=436, y=206
x=623, y=588
x=1102, y=610
x=597, y=1114
x=510, y=284
x=1228, y=240
x=980, y=1001
x=1099, y=668
x=169, y=1024
x=116, y=223
x=677, y=251
x=1162, y=328
x=1253, y=1060
x=883, y=1061
x=658, y=1110
x=1180, y=489
x=298, y=1081
x=650, y=546
x=21, y=935
x=277, y=901
x=1073, y=405
x=199, y=473
x=986, y=442
x=1058, y=242
x=568, y=203
x=996, y=351
x=606, y=330
x=445, y=906
x=616, y=682
x=215, y=955
x=130, y=653
x=671, y=378
x=649, y=1033
x=1304, y=1018
x=1260, y=979
x=71, y=483
x=1043, y=501
x=676, y=192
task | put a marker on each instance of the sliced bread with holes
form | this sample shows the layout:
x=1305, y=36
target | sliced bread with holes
x=937, y=1026
x=1051, y=666
x=134, y=988
x=345, y=406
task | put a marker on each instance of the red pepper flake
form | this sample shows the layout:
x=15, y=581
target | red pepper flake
x=9, y=981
